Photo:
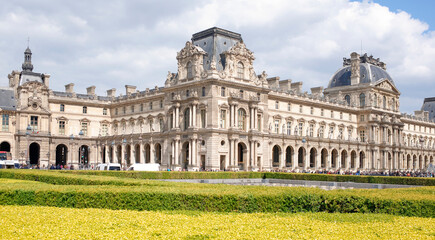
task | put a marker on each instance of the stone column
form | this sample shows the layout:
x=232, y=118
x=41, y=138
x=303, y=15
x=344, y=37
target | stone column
x=152, y=153
x=282, y=158
x=173, y=119
x=256, y=164
x=194, y=156
x=232, y=116
x=177, y=116
x=141, y=155
x=194, y=115
x=177, y=160
x=255, y=119
x=106, y=153
x=132, y=153
x=236, y=117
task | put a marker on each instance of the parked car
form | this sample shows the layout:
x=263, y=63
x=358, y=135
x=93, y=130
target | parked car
x=144, y=167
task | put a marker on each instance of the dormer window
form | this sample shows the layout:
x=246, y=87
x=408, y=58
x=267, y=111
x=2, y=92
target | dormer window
x=189, y=70
x=240, y=70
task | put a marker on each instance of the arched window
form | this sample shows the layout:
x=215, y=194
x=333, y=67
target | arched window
x=347, y=99
x=186, y=118
x=362, y=100
x=240, y=70
x=189, y=70
x=242, y=119
x=384, y=102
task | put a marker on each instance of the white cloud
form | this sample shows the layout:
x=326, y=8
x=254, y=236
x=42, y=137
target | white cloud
x=113, y=43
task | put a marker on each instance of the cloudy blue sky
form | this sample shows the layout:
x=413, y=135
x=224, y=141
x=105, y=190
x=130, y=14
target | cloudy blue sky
x=113, y=43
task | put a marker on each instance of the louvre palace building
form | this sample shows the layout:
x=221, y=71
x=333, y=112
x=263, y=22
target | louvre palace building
x=217, y=113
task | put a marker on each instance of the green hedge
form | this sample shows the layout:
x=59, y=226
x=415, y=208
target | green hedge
x=220, y=203
x=56, y=178
x=273, y=175
x=83, y=191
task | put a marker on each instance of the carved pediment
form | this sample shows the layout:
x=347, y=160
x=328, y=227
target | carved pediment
x=240, y=50
x=387, y=85
x=190, y=50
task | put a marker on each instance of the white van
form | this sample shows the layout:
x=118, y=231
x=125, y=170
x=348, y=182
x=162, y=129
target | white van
x=109, y=166
x=144, y=167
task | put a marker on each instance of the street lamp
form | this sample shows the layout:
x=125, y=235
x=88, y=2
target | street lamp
x=28, y=129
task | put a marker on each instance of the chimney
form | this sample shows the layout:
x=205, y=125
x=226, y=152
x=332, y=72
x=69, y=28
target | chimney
x=129, y=89
x=69, y=88
x=91, y=90
x=273, y=82
x=111, y=92
x=317, y=91
x=285, y=85
x=296, y=87
x=354, y=66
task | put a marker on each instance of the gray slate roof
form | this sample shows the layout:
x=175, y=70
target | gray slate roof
x=368, y=73
x=7, y=100
x=429, y=105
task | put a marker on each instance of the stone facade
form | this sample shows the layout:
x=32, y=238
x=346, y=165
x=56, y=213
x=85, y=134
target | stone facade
x=216, y=113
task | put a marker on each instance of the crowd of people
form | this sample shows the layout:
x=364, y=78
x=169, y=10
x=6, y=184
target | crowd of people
x=412, y=173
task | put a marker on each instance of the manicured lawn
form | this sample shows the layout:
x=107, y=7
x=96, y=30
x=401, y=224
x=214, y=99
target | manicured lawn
x=32, y=222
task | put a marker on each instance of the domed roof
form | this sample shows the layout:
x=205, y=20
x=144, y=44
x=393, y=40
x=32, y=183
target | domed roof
x=371, y=70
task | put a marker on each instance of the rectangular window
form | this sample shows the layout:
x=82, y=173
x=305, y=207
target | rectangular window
x=289, y=128
x=300, y=108
x=321, y=131
x=241, y=93
x=332, y=114
x=349, y=134
x=104, y=129
x=5, y=122
x=123, y=110
x=132, y=108
x=104, y=111
x=141, y=107
x=340, y=133
x=350, y=117
x=311, y=130
x=62, y=107
x=223, y=118
x=203, y=118
x=341, y=115
x=161, y=103
x=187, y=93
x=362, y=135
x=85, y=128
x=312, y=110
x=276, y=105
x=34, y=123
x=362, y=118
x=331, y=132
x=116, y=111
x=203, y=92
x=289, y=107
x=161, y=125
x=171, y=121
x=276, y=126
x=223, y=91
x=301, y=125
x=151, y=105
x=259, y=122
x=172, y=96
x=322, y=112
x=61, y=127
x=85, y=109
